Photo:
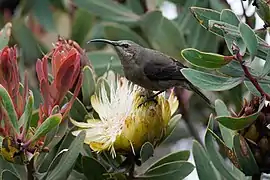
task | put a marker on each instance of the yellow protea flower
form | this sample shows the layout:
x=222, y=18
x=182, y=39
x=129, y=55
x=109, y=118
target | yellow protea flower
x=124, y=126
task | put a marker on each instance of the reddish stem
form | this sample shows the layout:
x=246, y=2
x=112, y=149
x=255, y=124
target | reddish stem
x=254, y=81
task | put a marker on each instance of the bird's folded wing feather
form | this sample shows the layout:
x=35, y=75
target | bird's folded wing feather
x=164, y=70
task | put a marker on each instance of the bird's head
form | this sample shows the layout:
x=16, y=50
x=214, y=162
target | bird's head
x=125, y=49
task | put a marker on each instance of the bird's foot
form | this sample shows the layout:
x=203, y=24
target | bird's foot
x=150, y=98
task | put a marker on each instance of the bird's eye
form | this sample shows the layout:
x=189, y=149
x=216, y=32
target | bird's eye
x=125, y=45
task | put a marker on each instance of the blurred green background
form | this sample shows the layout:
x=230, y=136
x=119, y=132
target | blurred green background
x=167, y=26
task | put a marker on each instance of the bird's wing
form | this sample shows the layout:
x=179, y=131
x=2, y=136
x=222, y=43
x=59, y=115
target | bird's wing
x=164, y=70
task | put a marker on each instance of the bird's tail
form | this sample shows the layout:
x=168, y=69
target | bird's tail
x=197, y=91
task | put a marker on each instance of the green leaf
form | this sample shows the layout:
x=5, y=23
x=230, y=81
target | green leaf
x=162, y=33
x=17, y=169
x=53, y=163
x=229, y=17
x=232, y=69
x=42, y=11
x=227, y=134
x=63, y=168
x=92, y=169
x=205, y=168
x=31, y=48
x=108, y=10
x=147, y=151
x=57, y=135
x=101, y=60
x=81, y=25
x=135, y=6
x=47, y=126
x=231, y=39
x=253, y=90
x=115, y=31
x=28, y=112
x=8, y=175
x=203, y=15
x=245, y=157
x=78, y=110
x=9, y=107
x=238, y=123
x=266, y=67
x=75, y=175
x=4, y=35
x=249, y=38
x=174, y=170
x=219, y=162
x=171, y=126
x=88, y=85
x=175, y=156
x=263, y=10
x=35, y=118
x=205, y=60
x=210, y=82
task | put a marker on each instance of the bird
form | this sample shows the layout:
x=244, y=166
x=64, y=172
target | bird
x=149, y=68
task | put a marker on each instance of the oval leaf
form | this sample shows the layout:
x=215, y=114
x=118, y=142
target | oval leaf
x=81, y=25
x=42, y=11
x=249, y=38
x=162, y=33
x=78, y=110
x=101, y=60
x=28, y=112
x=238, y=123
x=9, y=107
x=47, y=126
x=205, y=60
x=227, y=134
x=115, y=31
x=204, y=167
x=174, y=170
x=175, y=156
x=108, y=9
x=63, y=168
x=8, y=175
x=5, y=35
x=217, y=159
x=245, y=157
x=88, y=85
x=203, y=15
x=210, y=82
x=147, y=151
x=92, y=169
x=229, y=17
x=253, y=90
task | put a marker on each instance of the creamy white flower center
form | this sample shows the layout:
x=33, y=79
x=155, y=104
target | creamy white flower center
x=113, y=109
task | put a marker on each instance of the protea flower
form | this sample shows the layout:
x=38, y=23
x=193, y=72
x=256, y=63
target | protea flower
x=123, y=125
x=257, y=134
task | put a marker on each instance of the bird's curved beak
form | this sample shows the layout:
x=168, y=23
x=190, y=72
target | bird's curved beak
x=114, y=43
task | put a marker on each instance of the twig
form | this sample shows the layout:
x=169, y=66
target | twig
x=132, y=168
x=30, y=170
x=254, y=81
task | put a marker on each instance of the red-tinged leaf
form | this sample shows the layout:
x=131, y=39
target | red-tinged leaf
x=39, y=70
x=76, y=93
x=45, y=68
x=56, y=62
x=46, y=126
x=44, y=88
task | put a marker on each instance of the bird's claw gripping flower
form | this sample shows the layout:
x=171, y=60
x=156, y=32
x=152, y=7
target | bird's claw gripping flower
x=124, y=127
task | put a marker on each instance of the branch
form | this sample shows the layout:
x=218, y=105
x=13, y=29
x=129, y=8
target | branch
x=254, y=81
